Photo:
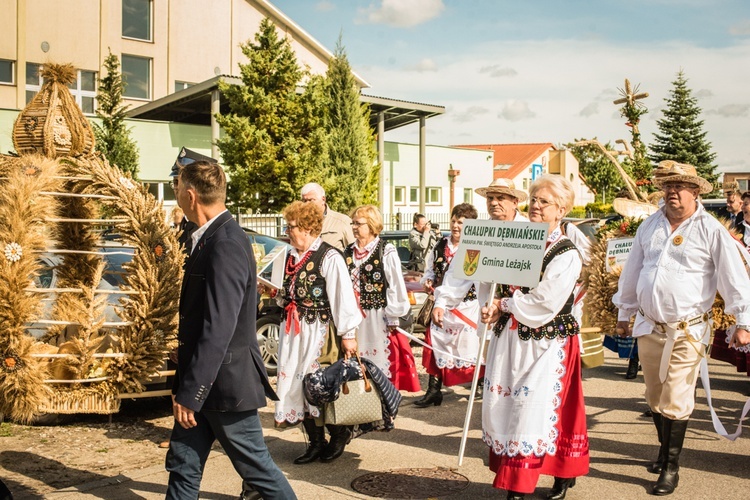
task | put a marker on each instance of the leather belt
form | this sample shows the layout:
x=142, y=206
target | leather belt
x=677, y=325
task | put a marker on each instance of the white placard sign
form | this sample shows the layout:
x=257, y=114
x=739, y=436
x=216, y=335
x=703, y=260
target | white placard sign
x=271, y=267
x=618, y=250
x=501, y=252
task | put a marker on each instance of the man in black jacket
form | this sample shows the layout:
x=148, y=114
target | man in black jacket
x=221, y=380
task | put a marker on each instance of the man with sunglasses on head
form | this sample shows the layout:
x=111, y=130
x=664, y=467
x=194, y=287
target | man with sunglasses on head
x=337, y=229
x=186, y=157
x=680, y=257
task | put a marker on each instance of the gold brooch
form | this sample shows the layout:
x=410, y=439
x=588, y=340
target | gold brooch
x=677, y=241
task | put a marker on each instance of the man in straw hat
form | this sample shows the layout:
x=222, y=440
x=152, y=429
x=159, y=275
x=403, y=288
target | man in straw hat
x=680, y=256
x=502, y=204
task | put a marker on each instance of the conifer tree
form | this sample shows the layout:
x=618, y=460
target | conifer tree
x=274, y=140
x=681, y=136
x=113, y=137
x=352, y=178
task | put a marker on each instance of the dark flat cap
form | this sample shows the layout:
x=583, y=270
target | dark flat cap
x=186, y=157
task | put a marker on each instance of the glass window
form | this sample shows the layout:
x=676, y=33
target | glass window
x=399, y=195
x=743, y=184
x=432, y=195
x=84, y=90
x=136, y=19
x=6, y=71
x=182, y=86
x=414, y=195
x=468, y=195
x=153, y=189
x=33, y=80
x=136, y=74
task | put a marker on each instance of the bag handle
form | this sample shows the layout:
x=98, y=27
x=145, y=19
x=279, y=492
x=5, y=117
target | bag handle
x=368, y=387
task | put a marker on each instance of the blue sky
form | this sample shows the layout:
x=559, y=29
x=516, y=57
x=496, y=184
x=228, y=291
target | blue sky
x=545, y=70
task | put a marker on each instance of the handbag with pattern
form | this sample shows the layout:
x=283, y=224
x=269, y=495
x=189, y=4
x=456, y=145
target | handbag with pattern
x=358, y=403
x=425, y=313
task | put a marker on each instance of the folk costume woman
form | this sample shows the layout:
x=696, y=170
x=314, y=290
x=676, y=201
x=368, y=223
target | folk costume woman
x=317, y=290
x=375, y=271
x=533, y=415
x=456, y=341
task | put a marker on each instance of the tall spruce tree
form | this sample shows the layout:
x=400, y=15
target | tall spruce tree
x=681, y=136
x=113, y=137
x=274, y=137
x=352, y=178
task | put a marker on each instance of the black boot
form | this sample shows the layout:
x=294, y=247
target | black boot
x=673, y=433
x=560, y=488
x=317, y=437
x=340, y=436
x=514, y=495
x=655, y=468
x=479, y=393
x=433, y=396
x=632, y=368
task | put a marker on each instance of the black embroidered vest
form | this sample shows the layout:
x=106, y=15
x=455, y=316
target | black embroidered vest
x=440, y=264
x=309, y=291
x=562, y=325
x=372, y=282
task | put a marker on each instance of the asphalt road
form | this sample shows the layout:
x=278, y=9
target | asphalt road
x=622, y=443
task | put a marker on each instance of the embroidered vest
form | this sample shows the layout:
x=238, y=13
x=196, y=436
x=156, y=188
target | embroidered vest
x=562, y=325
x=372, y=282
x=309, y=290
x=440, y=262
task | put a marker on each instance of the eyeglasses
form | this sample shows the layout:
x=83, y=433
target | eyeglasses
x=676, y=186
x=175, y=181
x=290, y=227
x=358, y=224
x=540, y=201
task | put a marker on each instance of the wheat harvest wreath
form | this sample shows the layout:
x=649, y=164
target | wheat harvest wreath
x=57, y=198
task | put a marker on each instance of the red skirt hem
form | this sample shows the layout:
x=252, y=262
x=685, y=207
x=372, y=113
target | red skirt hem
x=403, y=366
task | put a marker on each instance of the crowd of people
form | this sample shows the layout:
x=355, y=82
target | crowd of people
x=343, y=296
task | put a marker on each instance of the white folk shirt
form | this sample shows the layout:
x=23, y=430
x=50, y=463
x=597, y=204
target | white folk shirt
x=673, y=282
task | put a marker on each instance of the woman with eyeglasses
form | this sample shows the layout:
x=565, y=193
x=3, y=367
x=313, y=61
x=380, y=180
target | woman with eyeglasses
x=533, y=415
x=375, y=270
x=317, y=291
x=455, y=342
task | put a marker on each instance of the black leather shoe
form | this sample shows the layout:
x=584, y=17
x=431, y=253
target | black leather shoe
x=317, y=437
x=673, y=433
x=513, y=495
x=633, y=368
x=340, y=436
x=433, y=396
x=560, y=488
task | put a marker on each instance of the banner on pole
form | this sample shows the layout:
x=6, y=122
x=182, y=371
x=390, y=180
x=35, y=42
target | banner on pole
x=501, y=252
x=618, y=250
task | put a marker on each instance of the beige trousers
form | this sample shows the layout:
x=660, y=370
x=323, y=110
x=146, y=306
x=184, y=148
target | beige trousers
x=675, y=398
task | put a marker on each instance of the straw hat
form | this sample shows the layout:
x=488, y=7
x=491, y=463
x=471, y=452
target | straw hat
x=671, y=171
x=502, y=186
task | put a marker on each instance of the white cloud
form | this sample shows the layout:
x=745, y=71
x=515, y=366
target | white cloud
x=515, y=110
x=423, y=65
x=324, y=6
x=731, y=110
x=400, y=13
x=703, y=94
x=591, y=109
x=497, y=71
x=469, y=114
x=741, y=28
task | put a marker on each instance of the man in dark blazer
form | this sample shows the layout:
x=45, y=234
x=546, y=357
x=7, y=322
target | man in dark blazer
x=221, y=380
x=733, y=210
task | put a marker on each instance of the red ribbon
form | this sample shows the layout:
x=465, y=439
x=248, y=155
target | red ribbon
x=292, y=316
x=463, y=318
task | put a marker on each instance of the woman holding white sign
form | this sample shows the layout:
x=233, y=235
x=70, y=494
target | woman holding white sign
x=533, y=415
x=456, y=339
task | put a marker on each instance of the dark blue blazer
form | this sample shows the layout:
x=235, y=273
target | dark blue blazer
x=219, y=366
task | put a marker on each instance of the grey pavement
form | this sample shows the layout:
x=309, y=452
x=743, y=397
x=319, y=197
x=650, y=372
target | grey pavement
x=622, y=443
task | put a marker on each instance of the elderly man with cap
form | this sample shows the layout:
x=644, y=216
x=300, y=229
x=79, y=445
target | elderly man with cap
x=186, y=157
x=502, y=204
x=680, y=257
x=337, y=227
